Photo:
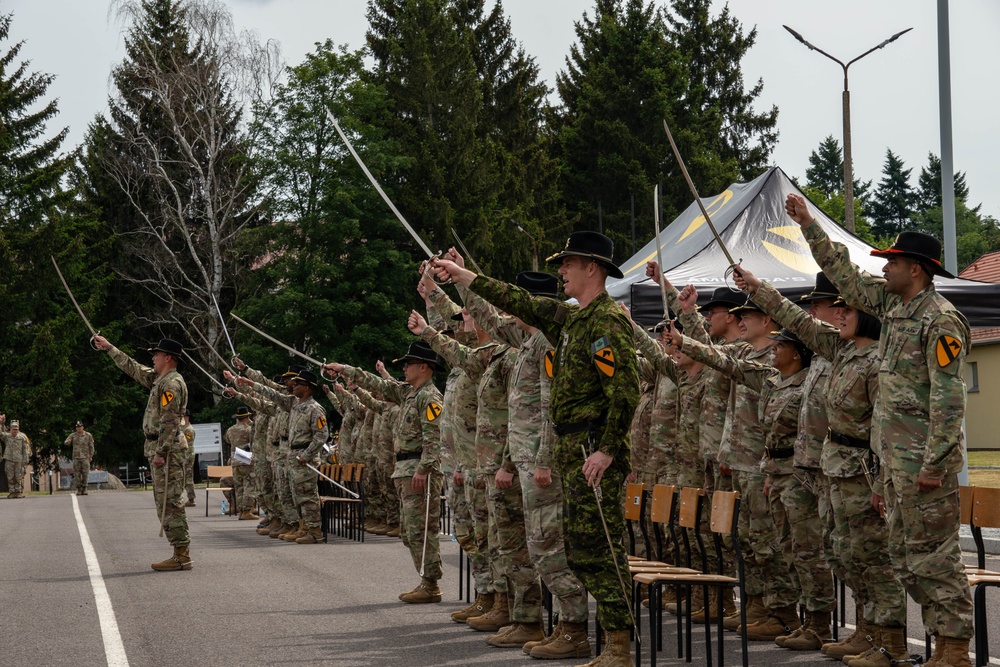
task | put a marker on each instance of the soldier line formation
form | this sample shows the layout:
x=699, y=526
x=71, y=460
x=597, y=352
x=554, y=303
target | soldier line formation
x=17, y=452
x=839, y=427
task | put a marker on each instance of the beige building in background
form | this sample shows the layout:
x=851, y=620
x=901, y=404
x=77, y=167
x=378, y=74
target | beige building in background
x=982, y=376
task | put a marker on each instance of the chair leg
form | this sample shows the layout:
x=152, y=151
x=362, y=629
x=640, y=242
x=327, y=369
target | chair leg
x=979, y=623
x=743, y=621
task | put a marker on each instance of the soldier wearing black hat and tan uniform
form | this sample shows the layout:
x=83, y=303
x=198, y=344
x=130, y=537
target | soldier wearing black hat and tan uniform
x=917, y=422
x=238, y=436
x=17, y=452
x=166, y=446
x=417, y=446
x=83, y=454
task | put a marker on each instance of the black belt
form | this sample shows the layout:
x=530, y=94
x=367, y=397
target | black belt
x=779, y=452
x=579, y=427
x=299, y=447
x=408, y=456
x=152, y=437
x=847, y=440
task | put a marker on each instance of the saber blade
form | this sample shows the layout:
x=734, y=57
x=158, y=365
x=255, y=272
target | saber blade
x=72, y=298
x=659, y=254
x=224, y=328
x=337, y=484
x=215, y=352
x=465, y=252
x=378, y=187
x=276, y=341
x=202, y=369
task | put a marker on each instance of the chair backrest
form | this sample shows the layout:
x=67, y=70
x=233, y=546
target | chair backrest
x=359, y=472
x=661, y=506
x=335, y=471
x=985, y=507
x=723, y=512
x=687, y=514
x=965, y=504
x=633, y=501
x=346, y=472
x=218, y=472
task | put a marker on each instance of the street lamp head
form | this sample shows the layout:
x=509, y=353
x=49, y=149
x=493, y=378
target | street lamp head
x=894, y=37
x=797, y=36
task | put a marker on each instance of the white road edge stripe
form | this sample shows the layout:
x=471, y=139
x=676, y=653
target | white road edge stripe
x=114, y=650
x=921, y=643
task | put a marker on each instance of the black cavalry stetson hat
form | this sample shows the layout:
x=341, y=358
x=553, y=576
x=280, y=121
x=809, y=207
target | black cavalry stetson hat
x=292, y=371
x=824, y=289
x=538, y=284
x=723, y=296
x=421, y=352
x=170, y=347
x=78, y=423
x=308, y=377
x=592, y=245
x=747, y=306
x=241, y=412
x=919, y=246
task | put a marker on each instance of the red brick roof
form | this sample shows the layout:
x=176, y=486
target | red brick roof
x=985, y=269
x=986, y=335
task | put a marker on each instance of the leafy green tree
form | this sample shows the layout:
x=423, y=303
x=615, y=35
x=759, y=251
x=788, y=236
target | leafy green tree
x=826, y=171
x=834, y=206
x=893, y=202
x=929, y=185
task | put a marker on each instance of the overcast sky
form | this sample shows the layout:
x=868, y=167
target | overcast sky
x=894, y=91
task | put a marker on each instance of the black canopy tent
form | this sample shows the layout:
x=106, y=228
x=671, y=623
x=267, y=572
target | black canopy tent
x=751, y=220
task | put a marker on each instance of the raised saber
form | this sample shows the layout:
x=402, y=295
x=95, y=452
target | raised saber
x=694, y=191
x=73, y=298
x=378, y=187
x=200, y=368
x=465, y=252
x=215, y=352
x=276, y=341
x=224, y=329
x=336, y=484
x=659, y=255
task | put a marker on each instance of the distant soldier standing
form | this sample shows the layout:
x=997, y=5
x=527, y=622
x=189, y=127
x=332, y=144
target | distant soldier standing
x=917, y=421
x=189, y=461
x=594, y=392
x=166, y=446
x=16, y=453
x=238, y=435
x=83, y=454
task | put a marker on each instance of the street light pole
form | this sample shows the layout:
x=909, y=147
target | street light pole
x=534, y=244
x=848, y=161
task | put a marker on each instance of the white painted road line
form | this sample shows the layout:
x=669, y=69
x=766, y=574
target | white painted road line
x=114, y=650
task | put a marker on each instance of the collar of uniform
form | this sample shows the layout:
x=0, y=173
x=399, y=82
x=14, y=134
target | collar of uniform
x=578, y=313
x=854, y=352
x=793, y=380
x=907, y=310
x=421, y=386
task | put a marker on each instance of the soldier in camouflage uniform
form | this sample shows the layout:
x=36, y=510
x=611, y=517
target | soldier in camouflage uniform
x=595, y=389
x=417, y=448
x=166, y=446
x=83, y=454
x=189, y=462
x=263, y=453
x=16, y=453
x=239, y=435
x=917, y=421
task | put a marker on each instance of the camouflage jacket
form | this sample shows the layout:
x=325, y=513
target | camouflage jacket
x=417, y=427
x=529, y=434
x=813, y=421
x=779, y=402
x=594, y=371
x=277, y=423
x=388, y=414
x=494, y=362
x=237, y=435
x=349, y=408
x=83, y=444
x=16, y=448
x=917, y=420
x=307, y=430
x=189, y=434
x=167, y=403
x=283, y=403
x=642, y=453
x=263, y=445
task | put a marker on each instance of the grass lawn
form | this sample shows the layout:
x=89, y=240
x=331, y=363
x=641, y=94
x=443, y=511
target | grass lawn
x=991, y=458
x=989, y=478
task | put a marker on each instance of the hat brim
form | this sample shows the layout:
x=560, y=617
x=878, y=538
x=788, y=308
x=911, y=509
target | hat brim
x=815, y=296
x=728, y=305
x=613, y=270
x=419, y=360
x=740, y=310
x=779, y=336
x=179, y=355
x=929, y=262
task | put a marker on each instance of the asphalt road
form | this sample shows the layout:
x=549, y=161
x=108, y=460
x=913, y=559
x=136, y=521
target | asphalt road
x=248, y=601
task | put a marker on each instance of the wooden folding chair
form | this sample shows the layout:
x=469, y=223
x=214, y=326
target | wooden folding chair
x=635, y=512
x=216, y=472
x=984, y=512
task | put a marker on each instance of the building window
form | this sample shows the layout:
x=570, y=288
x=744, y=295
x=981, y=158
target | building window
x=972, y=376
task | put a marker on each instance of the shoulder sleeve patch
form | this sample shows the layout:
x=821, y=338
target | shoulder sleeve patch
x=433, y=411
x=166, y=398
x=550, y=358
x=604, y=359
x=320, y=423
x=948, y=349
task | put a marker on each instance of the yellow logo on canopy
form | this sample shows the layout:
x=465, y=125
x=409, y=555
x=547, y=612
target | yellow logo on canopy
x=947, y=350
x=798, y=257
x=433, y=411
x=714, y=207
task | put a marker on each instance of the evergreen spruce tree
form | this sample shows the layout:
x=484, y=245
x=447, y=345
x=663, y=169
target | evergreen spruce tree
x=929, y=185
x=893, y=202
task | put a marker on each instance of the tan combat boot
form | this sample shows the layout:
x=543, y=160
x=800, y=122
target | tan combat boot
x=569, y=642
x=810, y=636
x=781, y=621
x=495, y=618
x=282, y=529
x=617, y=651
x=247, y=516
x=854, y=644
x=424, y=593
x=950, y=652
x=482, y=604
x=728, y=607
x=312, y=535
x=676, y=606
x=526, y=649
x=392, y=532
x=379, y=528
x=755, y=612
x=295, y=534
x=181, y=560
x=274, y=524
x=517, y=635
x=890, y=646
x=189, y=503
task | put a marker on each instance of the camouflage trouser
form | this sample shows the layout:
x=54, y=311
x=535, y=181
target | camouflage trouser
x=461, y=516
x=794, y=496
x=305, y=491
x=648, y=479
x=925, y=552
x=390, y=497
x=506, y=508
x=413, y=512
x=245, y=487
x=862, y=542
x=543, y=520
x=263, y=472
x=715, y=481
x=479, y=558
x=168, y=488
x=587, y=550
x=834, y=555
x=81, y=472
x=375, y=509
x=286, y=508
x=759, y=541
x=15, y=476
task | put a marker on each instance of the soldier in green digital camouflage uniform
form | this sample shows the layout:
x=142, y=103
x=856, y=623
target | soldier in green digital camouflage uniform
x=917, y=421
x=595, y=389
x=417, y=448
x=83, y=454
x=166, y=447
